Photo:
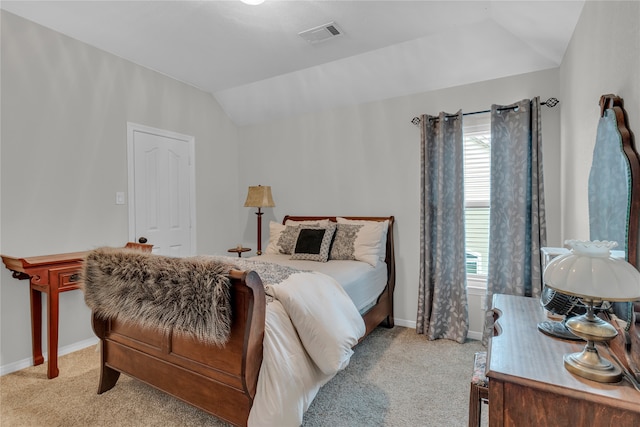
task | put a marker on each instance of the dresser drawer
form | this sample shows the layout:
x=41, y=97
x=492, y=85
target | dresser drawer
x=67, y=278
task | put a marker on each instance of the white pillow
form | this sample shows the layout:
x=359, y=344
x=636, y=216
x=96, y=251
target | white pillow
x=370, y=242
x=275, y=230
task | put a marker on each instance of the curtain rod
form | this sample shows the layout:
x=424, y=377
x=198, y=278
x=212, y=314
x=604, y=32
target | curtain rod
x=551, y=102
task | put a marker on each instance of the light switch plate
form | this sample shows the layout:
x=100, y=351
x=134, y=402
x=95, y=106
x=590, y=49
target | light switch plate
x=120, y=198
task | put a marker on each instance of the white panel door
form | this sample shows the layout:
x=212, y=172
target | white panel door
x=161, y=190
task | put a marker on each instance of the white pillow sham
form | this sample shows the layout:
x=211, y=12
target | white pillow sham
x=275, y=231
x=369, y=240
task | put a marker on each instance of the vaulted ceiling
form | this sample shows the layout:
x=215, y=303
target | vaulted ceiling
x=255, y=63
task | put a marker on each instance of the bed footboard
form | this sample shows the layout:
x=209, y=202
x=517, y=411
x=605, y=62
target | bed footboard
x=219, y=380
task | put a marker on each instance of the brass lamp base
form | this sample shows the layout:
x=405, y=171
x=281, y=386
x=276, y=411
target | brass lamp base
x=588, y=363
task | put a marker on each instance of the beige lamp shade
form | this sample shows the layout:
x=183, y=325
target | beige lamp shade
x=590, y=272
x=259, y=197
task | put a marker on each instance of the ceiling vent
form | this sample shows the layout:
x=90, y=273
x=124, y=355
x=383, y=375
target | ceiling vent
x=321, y=33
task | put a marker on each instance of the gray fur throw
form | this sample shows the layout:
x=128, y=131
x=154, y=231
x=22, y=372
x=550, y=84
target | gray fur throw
x=188, y=295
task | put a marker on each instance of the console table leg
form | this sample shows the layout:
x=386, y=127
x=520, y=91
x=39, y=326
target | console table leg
x=52, y=332
x=36, y=326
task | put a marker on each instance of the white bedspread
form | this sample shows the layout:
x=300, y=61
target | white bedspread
x=311, y=326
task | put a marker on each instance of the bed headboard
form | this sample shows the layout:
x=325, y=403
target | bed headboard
x=390, y=258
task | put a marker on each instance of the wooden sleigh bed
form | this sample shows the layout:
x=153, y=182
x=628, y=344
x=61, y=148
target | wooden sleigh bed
x=219, y=380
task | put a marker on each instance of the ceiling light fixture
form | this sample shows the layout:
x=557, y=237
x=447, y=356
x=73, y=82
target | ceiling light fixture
x=252, y=2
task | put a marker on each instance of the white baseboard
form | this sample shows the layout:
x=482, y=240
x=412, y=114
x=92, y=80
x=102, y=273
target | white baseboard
x=474, y=335
x=406, y=323
x=25, y=363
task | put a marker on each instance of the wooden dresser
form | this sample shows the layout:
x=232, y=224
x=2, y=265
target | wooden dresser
x=529, y=386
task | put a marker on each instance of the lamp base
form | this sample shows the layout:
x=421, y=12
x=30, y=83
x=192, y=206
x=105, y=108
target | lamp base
x=588, y=364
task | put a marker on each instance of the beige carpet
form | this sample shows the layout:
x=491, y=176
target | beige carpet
x=395, y=378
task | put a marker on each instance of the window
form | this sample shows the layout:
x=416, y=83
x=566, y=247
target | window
x=477, y=178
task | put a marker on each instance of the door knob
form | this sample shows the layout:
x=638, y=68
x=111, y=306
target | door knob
x=142, y=240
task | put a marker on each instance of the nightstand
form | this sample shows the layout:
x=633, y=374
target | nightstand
x=239, y=251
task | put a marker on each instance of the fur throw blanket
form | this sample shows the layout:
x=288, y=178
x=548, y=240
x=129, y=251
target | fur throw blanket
x=188, y=295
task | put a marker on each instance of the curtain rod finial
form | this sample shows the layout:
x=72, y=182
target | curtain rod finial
x=415, y=121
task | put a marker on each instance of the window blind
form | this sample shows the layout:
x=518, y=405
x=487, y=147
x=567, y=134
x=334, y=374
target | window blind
x=477, y=185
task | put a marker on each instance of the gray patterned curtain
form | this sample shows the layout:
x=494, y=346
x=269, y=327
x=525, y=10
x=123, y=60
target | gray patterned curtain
x=442, y=299
x=517, y=227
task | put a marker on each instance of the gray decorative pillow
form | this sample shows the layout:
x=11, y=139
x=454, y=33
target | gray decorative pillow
x=288, y=237
x=287, y=240
x=344, y=243
x=313, y=243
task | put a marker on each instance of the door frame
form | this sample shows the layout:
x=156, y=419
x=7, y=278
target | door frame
x=190, y=140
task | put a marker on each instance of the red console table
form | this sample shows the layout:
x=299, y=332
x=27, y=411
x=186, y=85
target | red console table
x=49, y=274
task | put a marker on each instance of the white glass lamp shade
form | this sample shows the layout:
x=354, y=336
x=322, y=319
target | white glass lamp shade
x=590, y=272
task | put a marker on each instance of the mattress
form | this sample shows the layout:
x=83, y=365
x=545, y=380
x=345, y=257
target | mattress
x=362, y=282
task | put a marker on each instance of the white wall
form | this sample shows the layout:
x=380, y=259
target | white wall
x=365, y=160
x=603, y=57
x=65, y=108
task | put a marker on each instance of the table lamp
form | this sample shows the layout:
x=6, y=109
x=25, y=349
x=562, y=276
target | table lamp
x=590, y=273
x=259, y=197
